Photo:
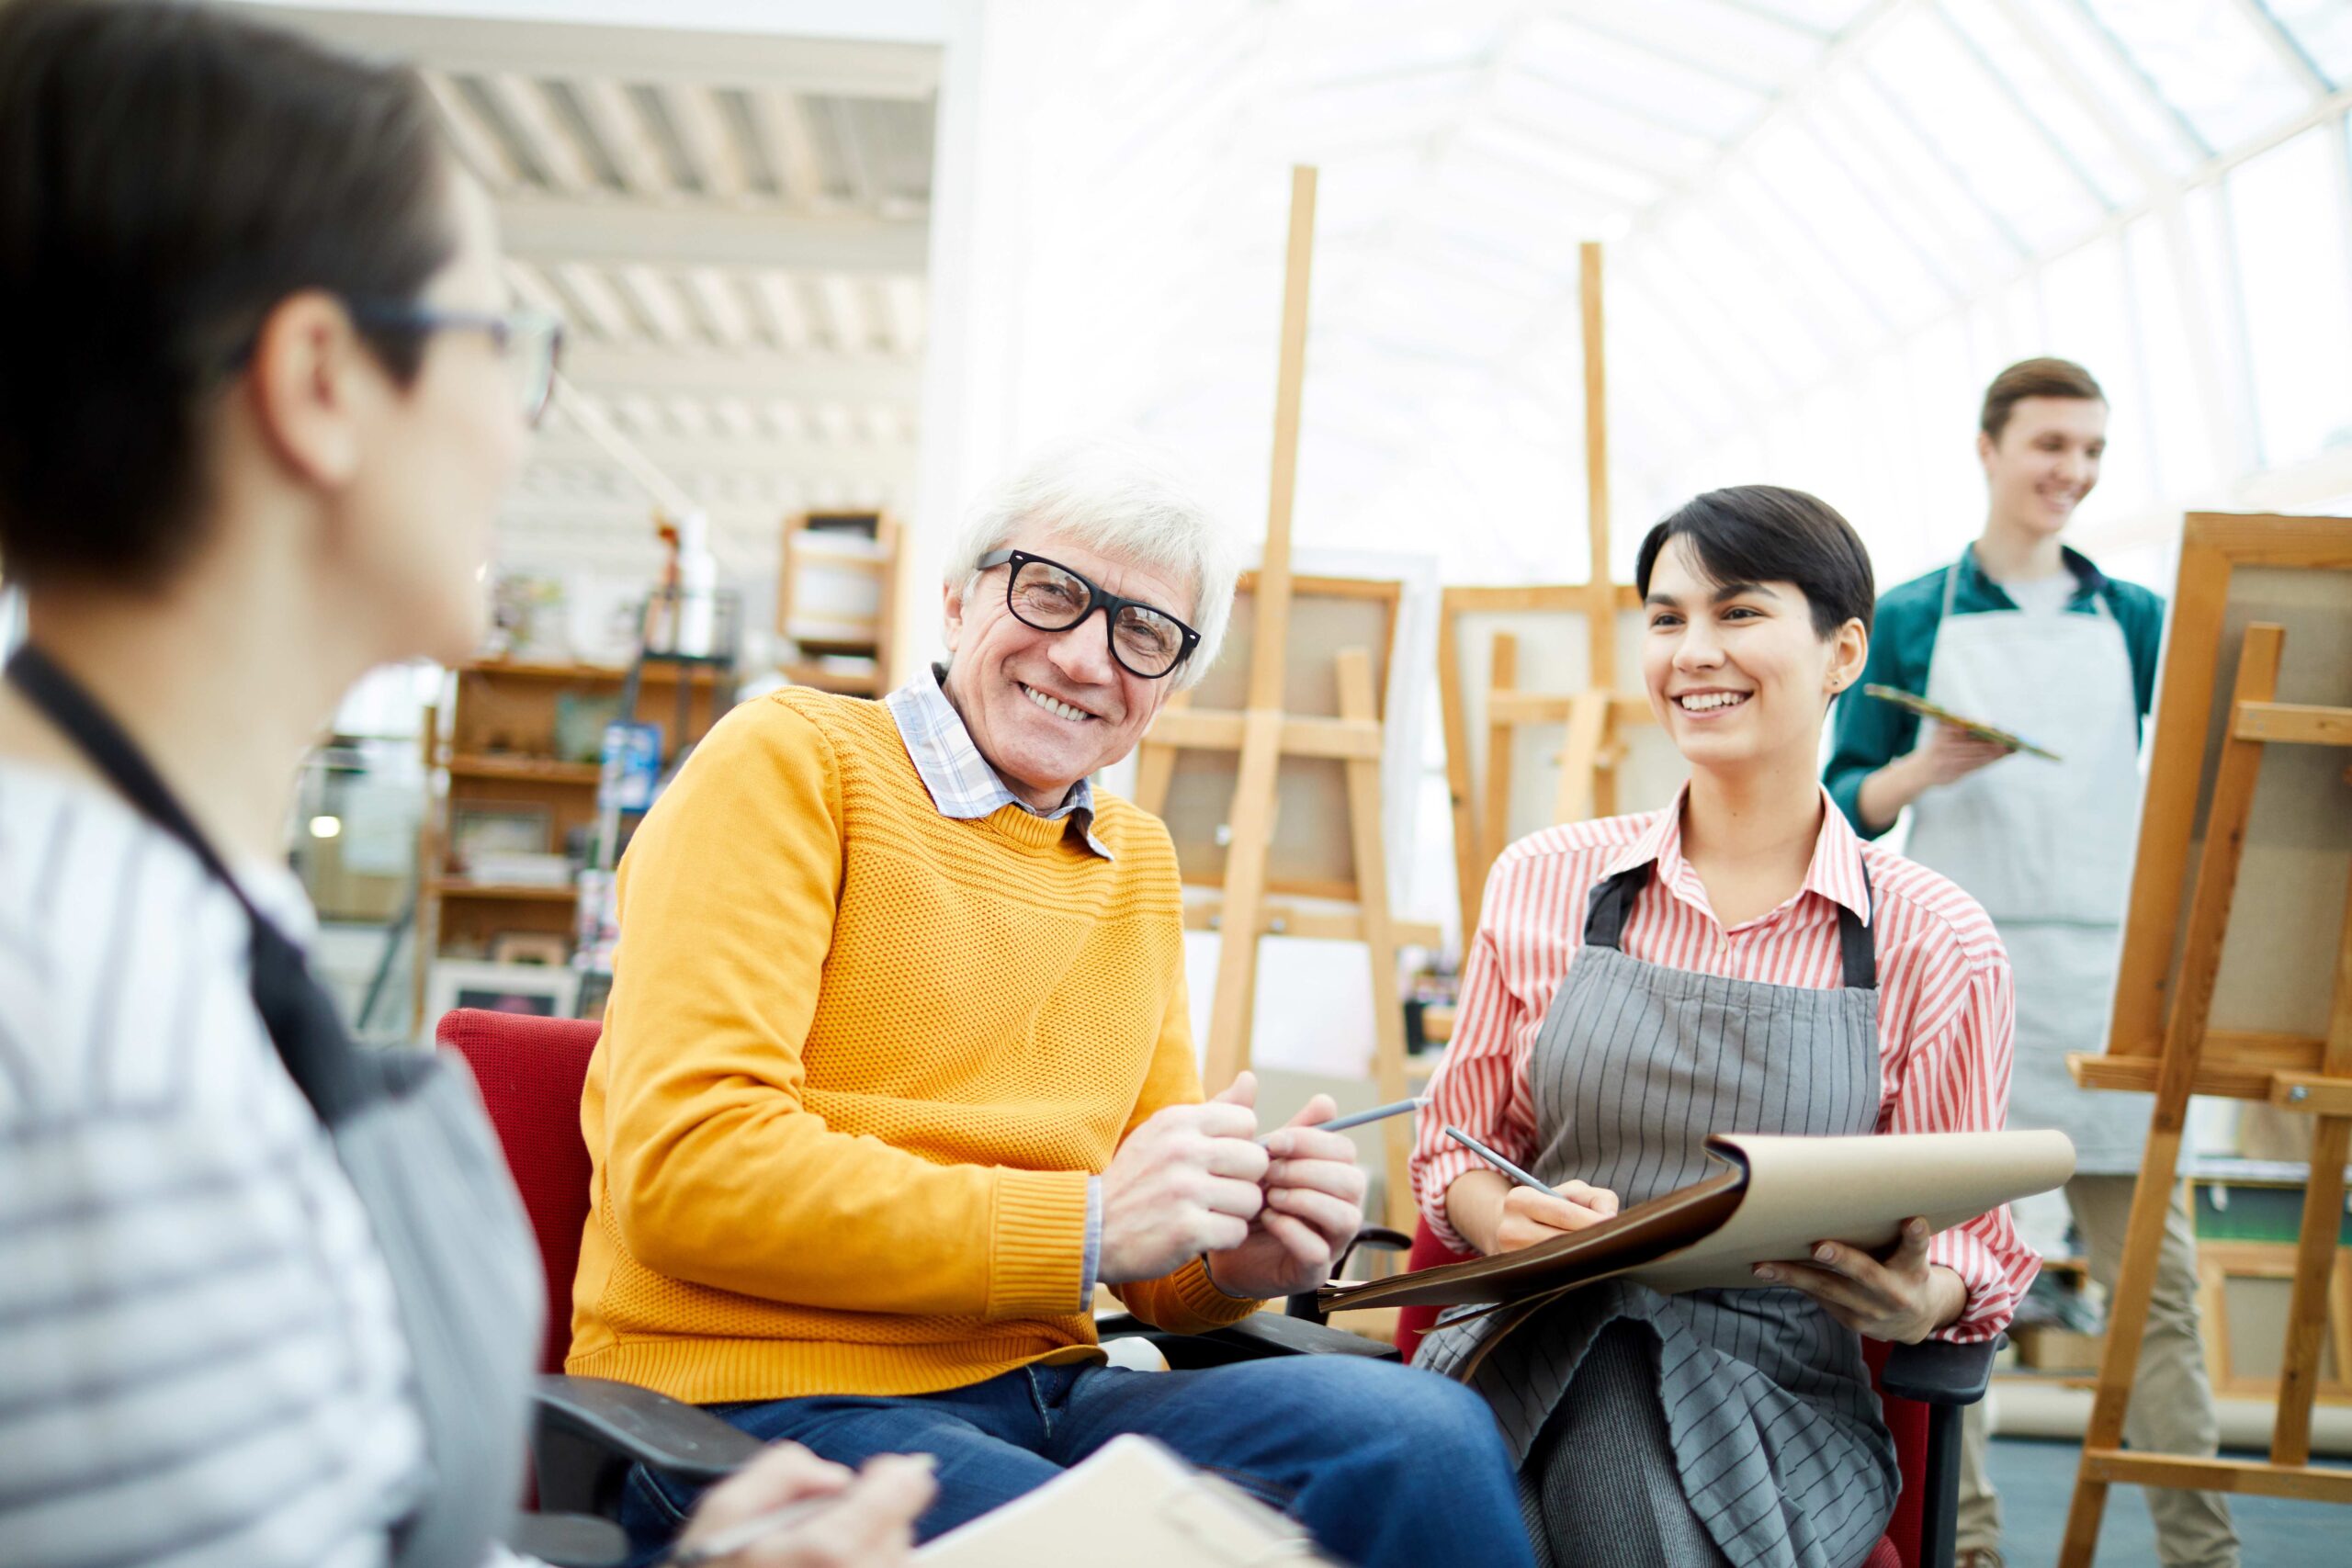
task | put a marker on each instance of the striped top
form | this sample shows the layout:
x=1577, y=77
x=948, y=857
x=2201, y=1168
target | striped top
x=200, y=1360
x=1946, y=1007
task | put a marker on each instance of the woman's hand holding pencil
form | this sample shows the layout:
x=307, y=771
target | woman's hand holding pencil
x=1527, y=1211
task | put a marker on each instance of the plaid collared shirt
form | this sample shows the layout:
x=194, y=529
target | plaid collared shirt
x=962, y=784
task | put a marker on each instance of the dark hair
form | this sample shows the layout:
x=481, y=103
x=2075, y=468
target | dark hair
x=2033, y=378
x=168, y=173
x=1765, y=534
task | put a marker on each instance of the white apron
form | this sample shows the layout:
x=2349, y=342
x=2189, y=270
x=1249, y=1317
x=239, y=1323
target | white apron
x=2046, y=847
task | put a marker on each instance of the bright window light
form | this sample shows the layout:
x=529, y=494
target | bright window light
x=326, y=826
x=2287, y=218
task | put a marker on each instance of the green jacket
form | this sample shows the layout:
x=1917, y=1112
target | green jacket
x=1868, y=734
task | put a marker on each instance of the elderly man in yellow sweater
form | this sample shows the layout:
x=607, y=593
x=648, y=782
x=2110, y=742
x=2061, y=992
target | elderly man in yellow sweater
x=898, y=1066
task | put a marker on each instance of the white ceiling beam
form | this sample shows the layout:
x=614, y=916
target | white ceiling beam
x=531, y=288
x=703, y=136
x=711, y=373
x=656, y=303
x=864, y=194
x=845, y=303
x=854, y=67
x=620, y=132
x=785, y=318
x=592, y=302
x=783, y=119
x=544, y=139
x=723, y=310
x=479, y=149
x=554, y=229
x=679, y=456
x=903, y=301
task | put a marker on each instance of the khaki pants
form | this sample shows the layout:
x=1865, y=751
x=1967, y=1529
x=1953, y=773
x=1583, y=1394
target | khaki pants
x=2171, y=1410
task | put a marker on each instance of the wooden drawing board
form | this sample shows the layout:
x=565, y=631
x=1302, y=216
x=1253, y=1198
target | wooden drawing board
x=1312, y=852
x=1549, y=658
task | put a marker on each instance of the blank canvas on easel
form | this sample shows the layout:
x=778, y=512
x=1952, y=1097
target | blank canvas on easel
x=2278, y=959
x=1311, y=854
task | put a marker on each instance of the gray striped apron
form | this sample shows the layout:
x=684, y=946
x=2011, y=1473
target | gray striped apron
x=1775, y=1430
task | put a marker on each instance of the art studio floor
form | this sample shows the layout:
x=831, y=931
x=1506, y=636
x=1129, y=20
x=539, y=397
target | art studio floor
x=2036, y=1479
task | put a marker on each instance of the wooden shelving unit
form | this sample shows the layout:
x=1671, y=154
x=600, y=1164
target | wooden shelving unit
x=829, y=637
x=498, y=747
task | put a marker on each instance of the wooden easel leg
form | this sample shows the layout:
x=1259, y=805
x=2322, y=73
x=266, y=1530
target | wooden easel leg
x=1231, y=1012
x=1155, y=765
x=1469, y=878
x=1503, y=676
x=1357, y=701
x=1580, y=756
x=2127, y=1316
x=2290, y=1435
x=2200, y=961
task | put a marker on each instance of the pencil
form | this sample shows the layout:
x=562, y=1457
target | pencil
x=748, y=1532
x=1377, y=1113
x=1484, y=1153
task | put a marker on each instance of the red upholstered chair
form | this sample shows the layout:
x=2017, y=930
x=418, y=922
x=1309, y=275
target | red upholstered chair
x=588, y=1431
x=1921, y=1389
x=530, y=1070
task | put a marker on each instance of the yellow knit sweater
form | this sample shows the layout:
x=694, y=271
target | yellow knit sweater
x=858, y=1063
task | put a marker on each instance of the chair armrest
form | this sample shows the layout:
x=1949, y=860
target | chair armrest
x=1936, y=1372
x=1305, y=1304
x=1257, y=1338
x=682, y=1440
x=568, y=1540
x=588, y=1431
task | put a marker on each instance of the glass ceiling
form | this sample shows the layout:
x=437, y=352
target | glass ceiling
x=1828, y=222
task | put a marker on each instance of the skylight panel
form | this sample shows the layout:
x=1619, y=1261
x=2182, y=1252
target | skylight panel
x=2027, y=77
x=2321, y=29
x=2207, y=61
x=2006, y=161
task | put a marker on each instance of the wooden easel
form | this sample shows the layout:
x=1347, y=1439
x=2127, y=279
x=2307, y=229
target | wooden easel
x=1263, y=734
x=2187, y=1056
x=1596, y=716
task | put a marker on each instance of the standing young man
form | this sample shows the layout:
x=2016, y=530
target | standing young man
x=2026, y=634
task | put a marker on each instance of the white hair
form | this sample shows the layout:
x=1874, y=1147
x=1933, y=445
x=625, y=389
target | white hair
x=1121, y=497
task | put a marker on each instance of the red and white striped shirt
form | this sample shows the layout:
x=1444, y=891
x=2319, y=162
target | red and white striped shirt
x=1947, y=1008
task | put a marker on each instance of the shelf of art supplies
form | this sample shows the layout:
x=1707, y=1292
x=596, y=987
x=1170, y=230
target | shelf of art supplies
x=837, y=590
x=513, y=810
x=543, y=770
x=459, y=888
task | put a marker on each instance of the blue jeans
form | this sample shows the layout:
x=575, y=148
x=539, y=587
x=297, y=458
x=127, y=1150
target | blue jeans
x=1385, y=1465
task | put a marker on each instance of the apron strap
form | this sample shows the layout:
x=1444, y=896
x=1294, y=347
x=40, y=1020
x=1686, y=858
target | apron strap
x=1613, y=901
x=301, y=1020
x=1858, y=954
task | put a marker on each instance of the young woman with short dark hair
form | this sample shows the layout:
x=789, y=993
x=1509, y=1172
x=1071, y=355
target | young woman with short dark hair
x=1738, y=961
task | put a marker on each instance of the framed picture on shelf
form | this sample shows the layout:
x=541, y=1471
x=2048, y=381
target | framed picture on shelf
x=479, y=828
x=529, y=947
x=539, y=991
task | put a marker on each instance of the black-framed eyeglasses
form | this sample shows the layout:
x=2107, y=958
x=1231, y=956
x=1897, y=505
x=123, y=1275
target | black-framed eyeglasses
x=1145, y=640
x=531, y=341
